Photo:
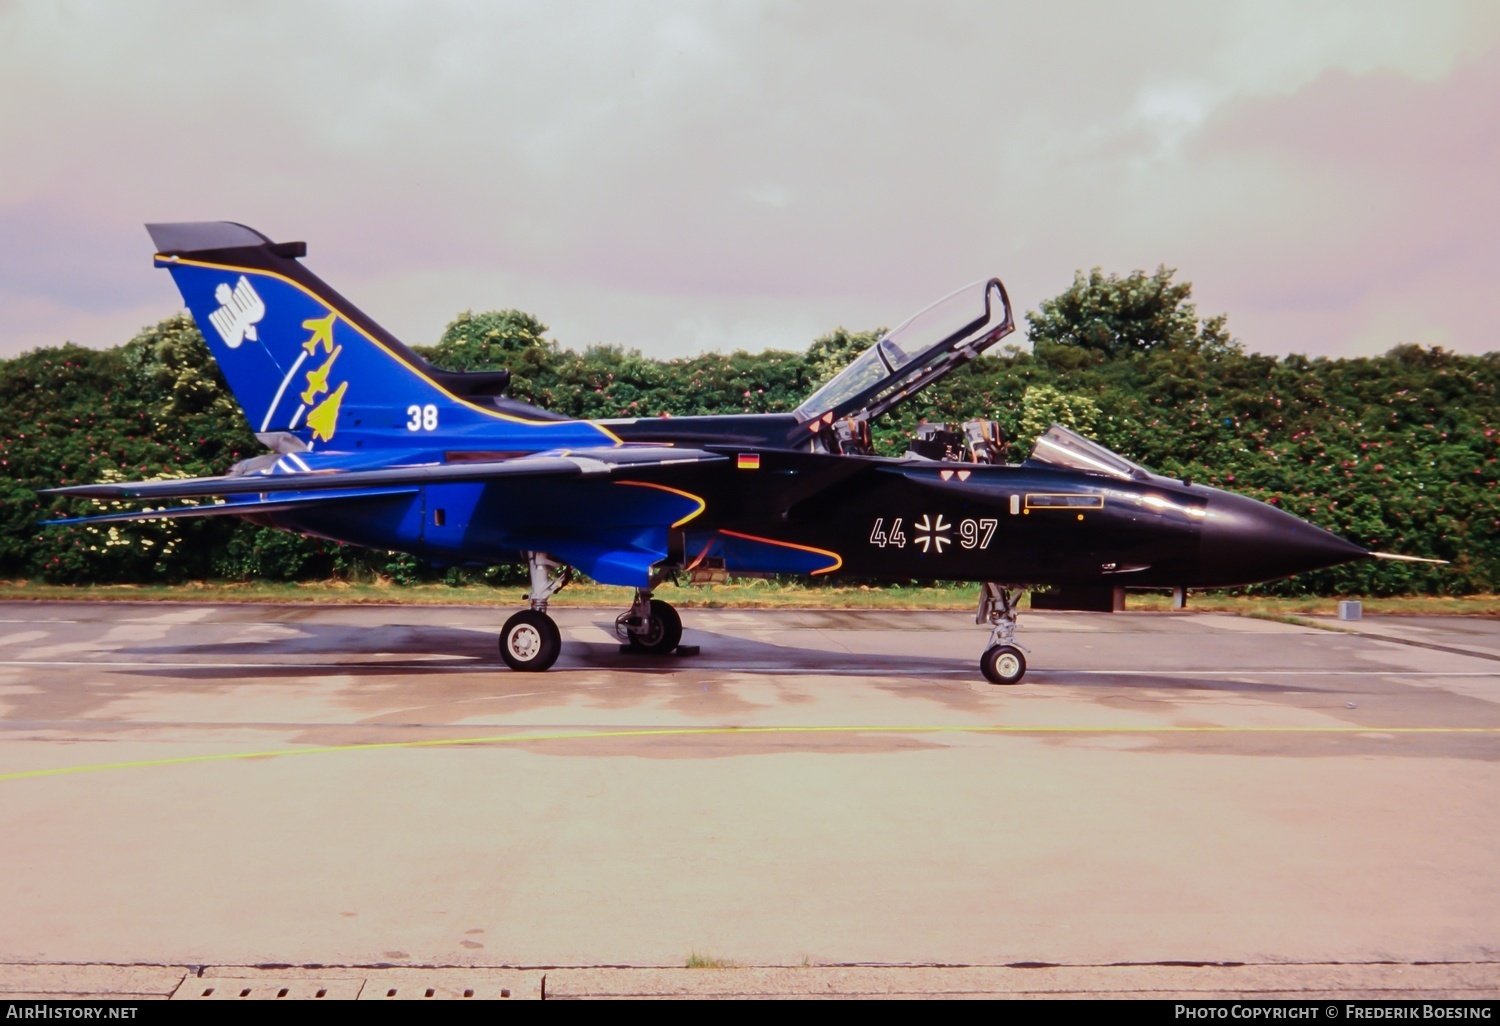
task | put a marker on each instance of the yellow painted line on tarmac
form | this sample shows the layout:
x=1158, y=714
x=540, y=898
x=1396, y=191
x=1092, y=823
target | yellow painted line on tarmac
x=586, y=735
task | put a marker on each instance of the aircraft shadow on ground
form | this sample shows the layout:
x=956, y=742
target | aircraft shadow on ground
x=337, y=650
x=462, y=648
x=1166, y=681
x=338, y=641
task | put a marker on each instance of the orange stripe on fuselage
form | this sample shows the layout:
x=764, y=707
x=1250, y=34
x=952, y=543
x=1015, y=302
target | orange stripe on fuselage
x=838, y=560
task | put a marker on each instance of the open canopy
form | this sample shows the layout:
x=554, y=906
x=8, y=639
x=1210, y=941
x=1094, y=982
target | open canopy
x=928, y=345
x=1059, y=447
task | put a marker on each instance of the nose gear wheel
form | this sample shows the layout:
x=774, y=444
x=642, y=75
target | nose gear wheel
x=1003, y=664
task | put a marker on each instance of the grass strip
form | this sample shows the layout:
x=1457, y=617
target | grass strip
x=746, y=594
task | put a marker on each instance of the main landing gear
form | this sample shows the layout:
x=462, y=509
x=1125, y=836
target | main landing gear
x=650, y=625
x=530, y=641
x=1002, y=662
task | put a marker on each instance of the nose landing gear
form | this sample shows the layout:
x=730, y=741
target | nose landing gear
x=1003, y=661
x=1003, y=664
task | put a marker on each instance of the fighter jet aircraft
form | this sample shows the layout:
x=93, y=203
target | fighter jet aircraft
x=371, y=445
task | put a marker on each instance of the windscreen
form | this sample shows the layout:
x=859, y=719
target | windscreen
x=1063, y=448
x=902, y=353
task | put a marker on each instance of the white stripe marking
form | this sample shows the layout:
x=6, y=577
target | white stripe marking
x=296, y=419
x=265, y=425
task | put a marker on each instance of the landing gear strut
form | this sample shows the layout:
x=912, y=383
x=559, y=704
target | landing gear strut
x=1002, y=662
x=650, y=625
x=530, y=641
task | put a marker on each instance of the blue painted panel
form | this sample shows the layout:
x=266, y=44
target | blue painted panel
x=296, y=365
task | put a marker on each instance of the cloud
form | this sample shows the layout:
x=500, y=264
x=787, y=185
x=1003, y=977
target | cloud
x=1370, y=210
x=675, y=175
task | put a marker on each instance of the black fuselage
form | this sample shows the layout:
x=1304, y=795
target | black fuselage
x=897, y=519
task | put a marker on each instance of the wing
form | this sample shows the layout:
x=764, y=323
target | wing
x=619, y=544
x=237, y=506
x=560, y=464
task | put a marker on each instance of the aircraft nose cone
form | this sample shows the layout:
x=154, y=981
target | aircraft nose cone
x=1245, y=541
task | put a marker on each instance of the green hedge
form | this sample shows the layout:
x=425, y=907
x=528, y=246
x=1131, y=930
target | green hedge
x=1397, y=452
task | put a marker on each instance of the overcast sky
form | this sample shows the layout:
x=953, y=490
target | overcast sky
x=680, y=177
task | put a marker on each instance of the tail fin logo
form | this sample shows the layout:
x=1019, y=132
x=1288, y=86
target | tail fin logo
x=322, y=334
x=323, y=419
x=240, y=310
x=317, y=380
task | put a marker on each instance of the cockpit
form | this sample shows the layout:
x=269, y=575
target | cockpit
x=922, y=349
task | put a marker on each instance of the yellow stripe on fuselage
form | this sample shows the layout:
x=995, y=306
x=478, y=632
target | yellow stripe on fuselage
x=702, y=503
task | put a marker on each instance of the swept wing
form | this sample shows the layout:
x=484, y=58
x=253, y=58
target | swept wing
x=562, y=464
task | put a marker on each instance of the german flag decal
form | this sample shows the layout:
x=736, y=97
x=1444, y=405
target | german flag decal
x=748, y=461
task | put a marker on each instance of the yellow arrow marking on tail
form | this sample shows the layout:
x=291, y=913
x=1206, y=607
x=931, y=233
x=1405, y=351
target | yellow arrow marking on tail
x=317, y=380
x=322, y=333
x=324, y=419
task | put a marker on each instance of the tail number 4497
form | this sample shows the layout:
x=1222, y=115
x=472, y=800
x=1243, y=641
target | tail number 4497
x=421, y=418
x=972, y=534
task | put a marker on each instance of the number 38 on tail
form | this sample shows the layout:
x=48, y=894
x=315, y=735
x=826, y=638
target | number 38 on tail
x=369, y=444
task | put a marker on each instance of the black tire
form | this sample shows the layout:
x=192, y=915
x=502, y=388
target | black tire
x=530, y=642
x=665, y=633
x=1003, y=664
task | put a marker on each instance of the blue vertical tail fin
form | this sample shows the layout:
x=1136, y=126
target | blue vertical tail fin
x=304, y=361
